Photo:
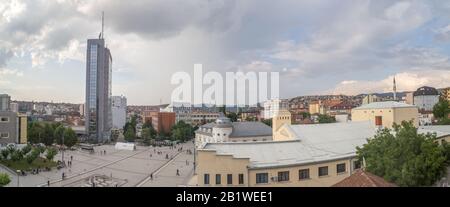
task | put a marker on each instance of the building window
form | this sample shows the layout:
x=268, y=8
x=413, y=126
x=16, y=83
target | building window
x=241, y=179
x=262, y=178
x=4, y=135
x=4, y=119
x=323, y=171
x=340, y=168
x=303, y=174
x=218, y=179
x=206, y=179
x=283, y=176
x=356, y=164
x=230, y=179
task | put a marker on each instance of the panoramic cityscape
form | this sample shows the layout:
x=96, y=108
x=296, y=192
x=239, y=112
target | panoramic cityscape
x=100, y=94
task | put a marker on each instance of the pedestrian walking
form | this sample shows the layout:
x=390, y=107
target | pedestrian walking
x=178, y=172
x=48, y=183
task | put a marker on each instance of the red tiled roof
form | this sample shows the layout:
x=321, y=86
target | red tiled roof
x=361, y=178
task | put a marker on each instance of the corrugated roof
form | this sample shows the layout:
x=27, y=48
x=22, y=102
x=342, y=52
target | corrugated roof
x=385, y=105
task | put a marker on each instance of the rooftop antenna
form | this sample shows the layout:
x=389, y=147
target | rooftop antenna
x=103, y=24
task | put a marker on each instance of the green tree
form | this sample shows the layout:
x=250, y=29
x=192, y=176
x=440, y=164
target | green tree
x=267, y=122
x=35, y=132
x=130, y=134
x=70, y=137
x=32, y=156
x=16, y=156
x=51, y=153
x=4, y=154
x=404, y=156
x=182, y=131
x=4, y=179
x=232, y=116
x=441, y=109
x=26, y=149
x=48, y=135
x=148, y=133
x=58, y=134
x=323, y=118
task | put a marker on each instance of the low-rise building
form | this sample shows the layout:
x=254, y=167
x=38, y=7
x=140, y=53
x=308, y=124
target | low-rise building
x=386, y=113
x=222, y=130
x=314, y=155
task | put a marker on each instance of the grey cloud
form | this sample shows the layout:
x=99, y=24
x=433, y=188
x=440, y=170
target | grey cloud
x=5, y=55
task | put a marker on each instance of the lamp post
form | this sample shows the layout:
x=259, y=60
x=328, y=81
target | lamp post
x=18, y=177
x=63, y=149
x=195, y=160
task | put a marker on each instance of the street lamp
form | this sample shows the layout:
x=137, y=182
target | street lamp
x=18, y=177
x=63, y=149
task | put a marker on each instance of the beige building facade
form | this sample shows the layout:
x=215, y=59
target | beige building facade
x=387, y=113
x=312, y=155
x=234, y=172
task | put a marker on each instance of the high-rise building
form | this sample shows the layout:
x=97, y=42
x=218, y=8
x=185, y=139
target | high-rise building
x=5, y=100
x=119, y=111
x=98, y=91
x=81, y=109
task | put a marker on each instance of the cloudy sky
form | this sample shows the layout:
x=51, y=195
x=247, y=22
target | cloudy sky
x=319, y=47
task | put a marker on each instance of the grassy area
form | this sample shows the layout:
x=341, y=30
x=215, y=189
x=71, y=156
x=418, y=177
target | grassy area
x=23, y=164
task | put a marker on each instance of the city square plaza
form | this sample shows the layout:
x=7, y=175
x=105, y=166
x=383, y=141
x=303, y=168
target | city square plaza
x=116, y=168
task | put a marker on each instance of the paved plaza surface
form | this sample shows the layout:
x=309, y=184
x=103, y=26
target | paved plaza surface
x=121, y=168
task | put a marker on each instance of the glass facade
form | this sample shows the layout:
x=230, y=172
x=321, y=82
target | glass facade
x=92, y=97
x=98, y=91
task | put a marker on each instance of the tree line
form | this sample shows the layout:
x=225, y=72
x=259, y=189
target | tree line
x=50, y=133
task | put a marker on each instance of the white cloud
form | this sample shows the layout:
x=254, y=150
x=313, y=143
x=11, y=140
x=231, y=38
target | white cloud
x=4, y=72
x=406, y=81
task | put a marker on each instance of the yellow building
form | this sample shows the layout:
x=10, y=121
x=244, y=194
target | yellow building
x=386, y=113
x=309, y=155
x=312, y=155
x=23, y=129
x=314, y=108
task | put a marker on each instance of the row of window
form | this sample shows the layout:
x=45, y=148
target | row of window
x=219, y=179
x=303, y=174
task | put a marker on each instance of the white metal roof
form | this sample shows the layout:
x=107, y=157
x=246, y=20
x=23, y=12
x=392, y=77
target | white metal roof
x=314, y=143
x=385, y=105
